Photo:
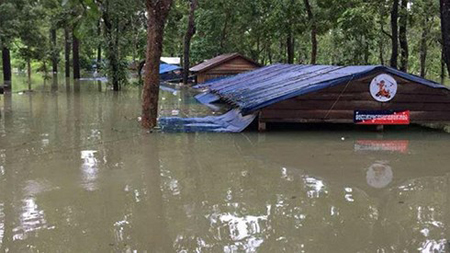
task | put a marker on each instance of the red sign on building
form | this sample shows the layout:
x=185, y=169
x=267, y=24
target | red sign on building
x=388, y=117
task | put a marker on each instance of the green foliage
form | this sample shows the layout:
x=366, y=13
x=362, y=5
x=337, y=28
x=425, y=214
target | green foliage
x=349, y=31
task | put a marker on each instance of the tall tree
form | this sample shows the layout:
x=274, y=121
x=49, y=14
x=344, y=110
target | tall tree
x=6, y=59
x=157, y=15
x=120, y=20
x=187, y=40
x=111, y=24
x=54, y=50
x=112, y=47
x=403, y=39
x=67, y=51
x=290, y=35
x=10, y=13
x=99, y=46
x=442, y=75
x=445, y=29
x=55, y=18
x=424, y=47
x=313, y=28
x=33, y=41
x=80, y=16
x=75, y=56
x=394, y=33
x=290, y=44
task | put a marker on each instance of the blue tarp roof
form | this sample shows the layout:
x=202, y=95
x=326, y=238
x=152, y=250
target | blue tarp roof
x=232, y=121
x=165, y=68
x=257, y=89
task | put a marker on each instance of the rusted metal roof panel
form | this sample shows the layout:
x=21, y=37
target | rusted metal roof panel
x=211, y=63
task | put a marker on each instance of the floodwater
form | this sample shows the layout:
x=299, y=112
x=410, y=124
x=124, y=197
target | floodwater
x=77, y=174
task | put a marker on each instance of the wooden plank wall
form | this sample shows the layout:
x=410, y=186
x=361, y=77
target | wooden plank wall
x=232, y=67
x=337, y=105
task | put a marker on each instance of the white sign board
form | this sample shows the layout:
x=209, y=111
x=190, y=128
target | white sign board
x=383, y=88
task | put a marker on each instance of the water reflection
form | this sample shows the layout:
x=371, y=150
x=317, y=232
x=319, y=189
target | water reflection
x=245, y=231
x=89, y=169
x=76, y=174
x=2, y=223
x=31, y=219
x=54, y=87
x=379, y=175
x=316, y=187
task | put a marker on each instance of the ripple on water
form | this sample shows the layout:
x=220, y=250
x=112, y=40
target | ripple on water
x=89, y=169
x=2, y=223
x=244, y=231
x=31, y=219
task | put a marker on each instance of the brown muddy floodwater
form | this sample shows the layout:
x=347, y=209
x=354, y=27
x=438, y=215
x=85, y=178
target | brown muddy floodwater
x=77, y=174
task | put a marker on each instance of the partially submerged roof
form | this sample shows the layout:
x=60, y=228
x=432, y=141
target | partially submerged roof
x=214, y=62
x=262, y=87
x=171, y=60
x=165, y=68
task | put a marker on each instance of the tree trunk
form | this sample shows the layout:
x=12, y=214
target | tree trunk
x=224, y=33
x=442, y=66
x=75, y=57
x=157, y=16
x=366, y=51
x=403, y=23
x=187, y=40
x=6, y=59
x=99, y=57
x=99, y=47
x=290, y=47
x=313, y=31
x=54, y=50
x=140, y=67
x=67, y=51
x=44, y=67
x=269, y=54
x=116, y=67
x=394, y=36
x=380, y=53
x=423, y=47
x=445, y=28
x=112, y=47
x=381, y=42
x=29, y=73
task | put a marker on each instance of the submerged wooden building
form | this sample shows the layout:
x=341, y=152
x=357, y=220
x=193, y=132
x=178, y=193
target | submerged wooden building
x=222, y=66
x=377, y=95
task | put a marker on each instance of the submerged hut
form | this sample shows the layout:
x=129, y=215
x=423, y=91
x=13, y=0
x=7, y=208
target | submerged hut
x=168, y=72
x=377, y=95
x=222, y=66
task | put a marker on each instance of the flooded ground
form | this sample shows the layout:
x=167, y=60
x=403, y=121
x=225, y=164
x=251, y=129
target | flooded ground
x=77, y=174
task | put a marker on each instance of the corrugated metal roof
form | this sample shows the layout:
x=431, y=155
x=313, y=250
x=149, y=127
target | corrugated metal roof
x=165, y=68
x=211, y=63
x=262, y=87
x=232, y=121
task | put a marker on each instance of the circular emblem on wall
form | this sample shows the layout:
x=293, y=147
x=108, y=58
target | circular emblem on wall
x=383, y=88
